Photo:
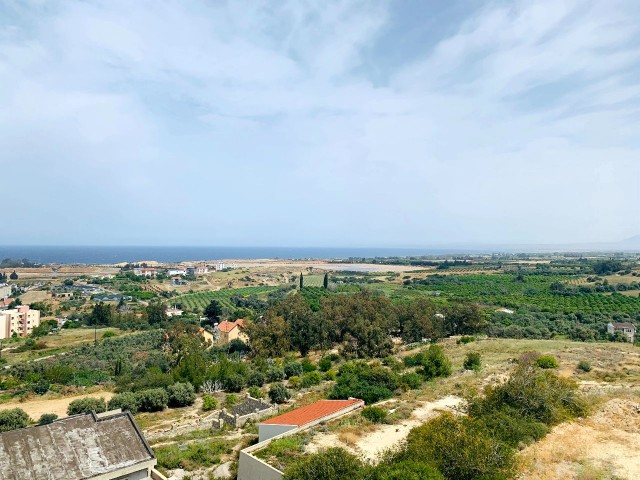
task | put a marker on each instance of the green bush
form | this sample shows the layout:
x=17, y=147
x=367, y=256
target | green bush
x=209, y=403
x=275, y=374
x=461, y=448
x=234, y=383
x=311, y=378
x=329, y=375
x=513, y=429
x=294, y=382
x=404, y=470
x=255, y=379
x=584, y=366
x=293, y=369
x=231, y=400
x=412, y=380
x=331, y=464
x=152, y=400
x=374, y=414
x=278, y=393
x=435, y=363
x=87, y=405
x=466, y=339
x=47, y=418
x=41, y=387
x=13, y=419
x=307, y=365
x=547, y=361
x=181, y=394
x=124, y=401
x=256, y=392
x=472, y=361
x=364, y=381
x=109, y=334
x=325, y=364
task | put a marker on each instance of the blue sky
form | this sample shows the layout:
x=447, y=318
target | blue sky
x=348, y=123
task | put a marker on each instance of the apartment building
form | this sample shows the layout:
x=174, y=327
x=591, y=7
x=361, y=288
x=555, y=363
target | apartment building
x=20, y=320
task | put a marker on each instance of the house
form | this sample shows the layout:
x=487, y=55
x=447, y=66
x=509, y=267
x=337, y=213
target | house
x=253, y=468
x=5, y=291
x=173, y=312
x=4, y=304
x=626, y=329
x=176, y=271
x=60, y=294
x=228, y=331
x=202, y=269
x=20, y=320
x=104, y=446
x=145, y=271
x=209, y=338
x=220, y=266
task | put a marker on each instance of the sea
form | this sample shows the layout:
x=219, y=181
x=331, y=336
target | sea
x=99, y=255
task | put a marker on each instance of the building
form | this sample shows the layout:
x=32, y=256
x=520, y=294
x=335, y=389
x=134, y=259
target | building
x=5, y=291
x=252, y=468
x=202, y=269
x=220, y=266
x=20, y=320
x=105, y=446
x=209, y=338
x=145, y=271
x=228, y=331
x=176, y=271
x=60, y=294
x=626, y=329
x=173, y=312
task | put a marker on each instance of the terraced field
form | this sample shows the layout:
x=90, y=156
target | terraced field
x=201, y=299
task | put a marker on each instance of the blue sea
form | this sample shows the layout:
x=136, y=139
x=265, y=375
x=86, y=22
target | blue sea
x=108, y=255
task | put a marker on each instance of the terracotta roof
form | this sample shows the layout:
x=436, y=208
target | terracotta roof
x=226, y=326
x=310, y=413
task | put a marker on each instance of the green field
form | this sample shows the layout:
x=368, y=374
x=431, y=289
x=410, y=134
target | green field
x=201, y=299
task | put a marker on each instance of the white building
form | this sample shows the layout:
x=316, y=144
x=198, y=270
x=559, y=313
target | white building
x=145, y=272
x=5, y=291
x=21, y=320
x=177, y=271
x=173, y=312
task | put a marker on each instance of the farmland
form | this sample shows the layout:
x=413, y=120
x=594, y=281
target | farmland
x=200, y=300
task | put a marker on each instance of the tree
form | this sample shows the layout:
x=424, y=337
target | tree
x=325, y=282
x=126, y=401
x=47, y=418
x=332, y=464
x=152, y=400
x=101, y=314
x=181, y=394
x=13, y=419
x=278, y=393
x=87, y=405
x=214, y=312
x=13, y=276
x=301, y=281
x=156, y=313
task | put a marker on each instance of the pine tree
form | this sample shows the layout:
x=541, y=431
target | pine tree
x=326, y=280
x=301, y=281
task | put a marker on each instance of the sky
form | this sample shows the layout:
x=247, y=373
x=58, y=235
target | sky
x=319, y=123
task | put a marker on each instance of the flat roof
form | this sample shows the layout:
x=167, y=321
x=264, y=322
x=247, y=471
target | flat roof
x=73, y=448
x=315, y=411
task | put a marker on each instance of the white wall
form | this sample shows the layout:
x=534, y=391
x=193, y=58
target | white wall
x=269, y=431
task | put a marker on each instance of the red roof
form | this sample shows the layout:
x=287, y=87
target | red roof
x=310, y=413
x=226, y=326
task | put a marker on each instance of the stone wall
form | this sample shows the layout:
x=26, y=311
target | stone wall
x=250, y=409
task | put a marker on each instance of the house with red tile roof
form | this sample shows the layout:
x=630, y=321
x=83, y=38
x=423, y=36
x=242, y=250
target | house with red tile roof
x=228, y=331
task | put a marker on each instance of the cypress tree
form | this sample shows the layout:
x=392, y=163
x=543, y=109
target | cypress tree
x=301, y=281
x=326, y=280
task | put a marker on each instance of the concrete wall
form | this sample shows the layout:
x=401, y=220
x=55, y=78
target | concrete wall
x=269, y=431
x=252, y=468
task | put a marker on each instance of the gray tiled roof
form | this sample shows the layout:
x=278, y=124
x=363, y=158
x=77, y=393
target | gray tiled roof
x=73, y=448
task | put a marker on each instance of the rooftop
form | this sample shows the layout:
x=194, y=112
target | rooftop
x=623, y=325
x=310, y=413
x=226, y=326
x=73, y=448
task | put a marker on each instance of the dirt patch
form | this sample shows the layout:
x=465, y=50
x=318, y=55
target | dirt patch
x=35, y=408
x=604, y=445
x=373, y=444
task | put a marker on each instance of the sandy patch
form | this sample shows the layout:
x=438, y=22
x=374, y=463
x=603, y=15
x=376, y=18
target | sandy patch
x=385, y=437
x=35, y=408
x=605, y=445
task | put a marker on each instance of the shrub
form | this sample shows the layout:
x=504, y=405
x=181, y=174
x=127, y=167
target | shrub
x=472, y=361
x=405, y=470
x=547, y=361
x=411, y=380
x=47, y=418
x=435, y=363
x=294, y=382
x=181, y=394
x=325, y=364
x=209, y=403
x=256, y=379
x=363, y=381
x=234, y=383
x=513, y=429
x=256, y=392
x=329, y=375
x=13, y=419
x=311, y=378
x=466, y=339
x=307, y=365
x=584, y=366
x=275, y=374
x=332, y=464
x=278, y=393
x=87, y=405
x=109, y=334
x=124, y=401
x=374, y=414
x=152, y=400
x=414, y=360
x=461, y=448
x=41, y=387
x=231, y=400
x=293, y=369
